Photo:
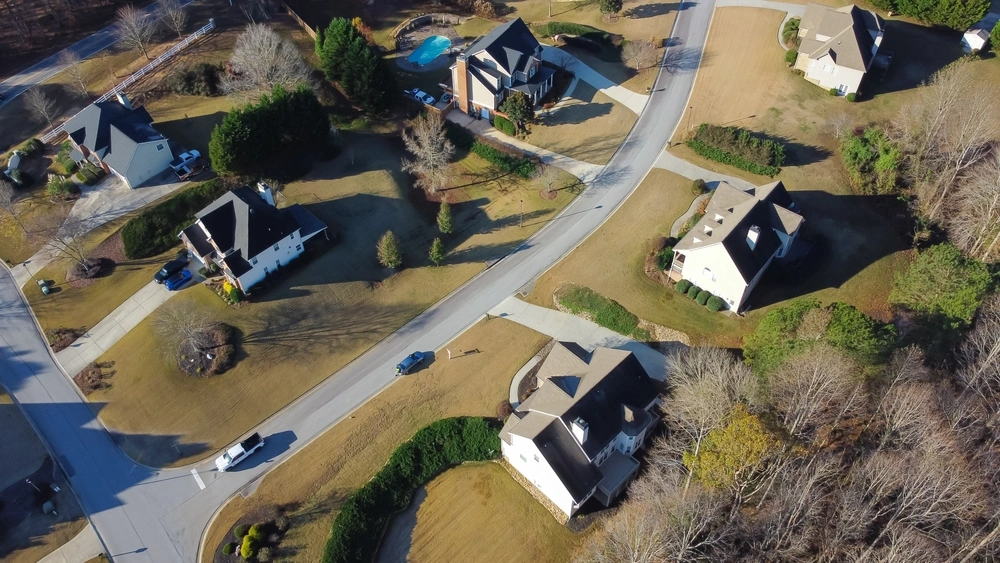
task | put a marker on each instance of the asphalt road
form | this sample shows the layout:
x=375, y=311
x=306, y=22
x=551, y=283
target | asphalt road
x=143, y=514
x=43, y=70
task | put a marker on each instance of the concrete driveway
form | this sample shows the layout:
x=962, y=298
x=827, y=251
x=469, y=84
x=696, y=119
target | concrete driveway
x=620, y=94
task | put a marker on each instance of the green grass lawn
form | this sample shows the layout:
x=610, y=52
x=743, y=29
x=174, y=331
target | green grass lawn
x=475, y=27
x=326, y=313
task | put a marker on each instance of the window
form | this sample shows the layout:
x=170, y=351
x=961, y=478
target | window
x=159, y=147
x=298, y=247
x=708, y=230
x=827, y=68
x=276, y=247
x=523, y=458
x=253, y=261
x=718, y=218
x=707, y=274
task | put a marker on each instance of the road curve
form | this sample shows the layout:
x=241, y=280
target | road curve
x=148, y=515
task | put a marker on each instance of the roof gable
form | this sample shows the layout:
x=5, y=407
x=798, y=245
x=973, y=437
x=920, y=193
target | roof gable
x=242, y=221
x=846, y=34
x=510, y=45
x=112, y=131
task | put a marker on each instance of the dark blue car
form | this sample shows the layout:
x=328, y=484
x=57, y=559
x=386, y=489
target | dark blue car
x=411, y=361
x=178, y=280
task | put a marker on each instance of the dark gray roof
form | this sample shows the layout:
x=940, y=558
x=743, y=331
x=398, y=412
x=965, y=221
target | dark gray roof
x=112, y=131
x=616, y=470
x=309, y=224
x=196, y=236
x=564, y=456
x=536, y=82
x=242, y=221
x=510, y=44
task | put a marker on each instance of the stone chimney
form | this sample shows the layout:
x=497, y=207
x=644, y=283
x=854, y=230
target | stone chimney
x=123, y=99
x=461, y=82
x=266, y=193
x=580, y=430
x=752, y=235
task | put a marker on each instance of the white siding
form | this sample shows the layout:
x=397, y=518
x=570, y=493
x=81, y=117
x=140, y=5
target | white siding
x=270, y=258
x=148, y=160
x=728, y=282
x=824, y=71
x=528, y=461
x=481, y=96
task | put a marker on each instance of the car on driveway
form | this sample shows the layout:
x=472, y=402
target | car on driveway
x=424, y=97
x=170, y=268
x=185, y=158
x=188, y=171
x=177, y=280
x=410, y=362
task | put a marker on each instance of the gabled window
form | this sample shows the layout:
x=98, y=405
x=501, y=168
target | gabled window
x=276, y=247
x=253, y=261
x=708, y=230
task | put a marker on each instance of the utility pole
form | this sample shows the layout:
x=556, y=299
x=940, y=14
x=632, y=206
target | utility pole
x=520, y=222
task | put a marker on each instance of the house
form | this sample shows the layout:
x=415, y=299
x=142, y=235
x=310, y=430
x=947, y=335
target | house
x=119, y=139
x=247, y=236
x=838, y=45
x=506, y=59
x=730, y=248
x=574, y=438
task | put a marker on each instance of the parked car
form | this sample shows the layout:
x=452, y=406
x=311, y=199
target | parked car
x=185, y=158
x=177, y=280
x=188, y=171
x=170, y=268
x=410, y=362
x=239, y=452
x=424, y=97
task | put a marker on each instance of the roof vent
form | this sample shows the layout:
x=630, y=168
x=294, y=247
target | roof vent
x=752, y=235
x=580, y=429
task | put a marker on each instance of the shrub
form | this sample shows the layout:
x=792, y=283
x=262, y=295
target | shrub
x=715, y=304
x=518, y=165
x=249, y=547
x=201, y=79
x=606, y=312
x=790, y=32
x=995, y=38
x=664, y=257
x=683, y=286
x=504, y=409
x=693, y=291
x=31, y=147
x=852, y=97
x=240, y=531
x=774, y=339
x=256, y=532
x=790, y=56
x=265, y=555
x=699, y=187
x=21, y=178
x=282, y=523
x=484, y=9
x=61, y=187
x=235, y=295
x=503, y=124
x=860, y=335
x=229, y=548
x=834, y=91
x=388, y=251
x=434, y=448
x=155, y=230
x=738, y=147
x=872, y=161
x=702, y=297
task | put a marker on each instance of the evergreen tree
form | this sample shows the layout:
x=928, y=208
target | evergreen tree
x=956, y=14
x=319, y=41
x=437, y=252
x=338, y=37
x=611, y=6
x=444, y=219
x=518, y=108
x=389, y=253
x=995, y=38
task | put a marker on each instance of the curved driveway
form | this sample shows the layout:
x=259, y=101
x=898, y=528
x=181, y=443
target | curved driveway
x=142, y=514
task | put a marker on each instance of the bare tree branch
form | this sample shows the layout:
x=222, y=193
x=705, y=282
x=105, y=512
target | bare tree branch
x=70, y=62
x=974, y=220
x=261, y=60
x=8, y=197
x=135, y=28
x=173, y=16
x=428, y=142
x=40, y=104
x=639, y=52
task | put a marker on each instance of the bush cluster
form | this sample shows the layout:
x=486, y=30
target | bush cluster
x=31, y=147
x=683, y=286
x=790, y=56
x=63, y=159
x=739, y=148
x=503, y=124
x=61, y=187
x=503, y=159
x=155, y=230
x=715, y=304
x=201, y=79
x=434, y=448
x=860, y=335
x=606, y=312
x=872, y=161
x=606, y=45
x=790, y=32
x=699, y=187
x=953, y=14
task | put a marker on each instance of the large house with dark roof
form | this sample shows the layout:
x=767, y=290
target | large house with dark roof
x=574, y=438
x=838, y=45
x=120, y=140
x=505, y=60
x=740, y=235
x=247, y=236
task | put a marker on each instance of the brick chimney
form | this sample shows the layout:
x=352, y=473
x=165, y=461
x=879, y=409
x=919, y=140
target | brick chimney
x=461, y=82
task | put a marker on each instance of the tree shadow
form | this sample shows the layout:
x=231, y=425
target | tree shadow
x=395, y=544
x=798, y=154
x=653, y=10
x=917, y=53
x=191, y=132
x=687, y=59
x=848, y=233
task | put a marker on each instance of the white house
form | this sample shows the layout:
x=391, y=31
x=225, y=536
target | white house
x=247, y=236
x=838, y=45
x=506, y=59
x=119, y=139
x=730, y=248
x=574, y=438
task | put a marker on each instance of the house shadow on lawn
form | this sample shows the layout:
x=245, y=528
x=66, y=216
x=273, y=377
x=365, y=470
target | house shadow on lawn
x=918, y=52
x=848, y=234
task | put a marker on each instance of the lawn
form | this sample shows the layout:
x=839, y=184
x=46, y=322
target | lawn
x=475, y=27
x=479, y=513
x=318, y=477
x=327, y=313
x=35, y=211
x=587, y=125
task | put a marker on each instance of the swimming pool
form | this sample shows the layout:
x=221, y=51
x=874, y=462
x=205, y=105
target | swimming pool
x=429, y=50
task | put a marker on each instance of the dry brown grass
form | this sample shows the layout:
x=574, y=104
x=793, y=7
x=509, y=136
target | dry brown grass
x=587, y=126
x=319, y=476
x=35, y=210
x=479, y=513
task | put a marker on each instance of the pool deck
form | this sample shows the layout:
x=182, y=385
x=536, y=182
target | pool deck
x=416, y=37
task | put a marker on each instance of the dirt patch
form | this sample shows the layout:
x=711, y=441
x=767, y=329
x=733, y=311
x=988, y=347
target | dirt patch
x=103, y=258
x=94, y=377
x=60, y=338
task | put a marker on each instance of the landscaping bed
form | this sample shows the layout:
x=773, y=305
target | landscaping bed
x=94, y=377
x=213, y=355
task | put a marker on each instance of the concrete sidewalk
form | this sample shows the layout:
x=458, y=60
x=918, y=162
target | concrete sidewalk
x=514, y=383
x=668, y=161
x=571, y=328
x=112, y=328
x=620, y=94
x=585, y=171
x=80, y=549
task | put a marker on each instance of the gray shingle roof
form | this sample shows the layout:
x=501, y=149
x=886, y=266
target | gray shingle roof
x=510, y=44
x=112, y=132
x=845, y=33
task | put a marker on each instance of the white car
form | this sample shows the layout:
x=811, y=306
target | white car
x=424, y=97
x=239, y=452
x=185, y=158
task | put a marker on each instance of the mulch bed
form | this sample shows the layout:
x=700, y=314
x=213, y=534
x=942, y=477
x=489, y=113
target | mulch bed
x=60, y=338
x=219, y=344
x=94, y=376
x=110, y=252
x=272, y=536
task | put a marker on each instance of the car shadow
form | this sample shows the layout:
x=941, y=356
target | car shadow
x=274, y=445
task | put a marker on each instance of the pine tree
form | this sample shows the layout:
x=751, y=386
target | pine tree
x=389, y=254
x=444, y=219
x=319, y=41
x=995, y=38
x=338, y=37
x=437, y=252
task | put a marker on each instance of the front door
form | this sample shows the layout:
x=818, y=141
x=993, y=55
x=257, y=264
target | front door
x=842, y=89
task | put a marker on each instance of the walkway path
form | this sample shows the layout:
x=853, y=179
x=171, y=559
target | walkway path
x=101, y=203
x=585, y=171
x=620, y=94
x=112, y=328
x=82, y=548
x=571, y=328
x=42, y=71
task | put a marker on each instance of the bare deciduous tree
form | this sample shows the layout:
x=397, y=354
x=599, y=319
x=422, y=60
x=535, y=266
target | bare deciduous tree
x=810, y=389
x=135, y=28
x=7, y=199
x=640, y=53
x=979, y=355
x=428, y=142
x=173, y=16
x=261, y=60
x=66, y=237
x=839, y=125
x=183, y=325
x=40, y=104
x=974, y=220
x=70, y=62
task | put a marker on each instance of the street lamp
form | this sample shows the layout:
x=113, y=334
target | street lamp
x=25, y=264
x=520, y=222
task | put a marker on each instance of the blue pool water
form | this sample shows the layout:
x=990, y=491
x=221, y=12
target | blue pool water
x=429, y=50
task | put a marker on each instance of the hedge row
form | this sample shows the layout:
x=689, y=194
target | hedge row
x=434, y=448
x=155, y=230
x=739, y=148
x=606, y=312
x=503, y=124
x=518, y=165
x=703, y=297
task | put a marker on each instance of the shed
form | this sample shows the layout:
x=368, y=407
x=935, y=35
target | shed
x=975, y=40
